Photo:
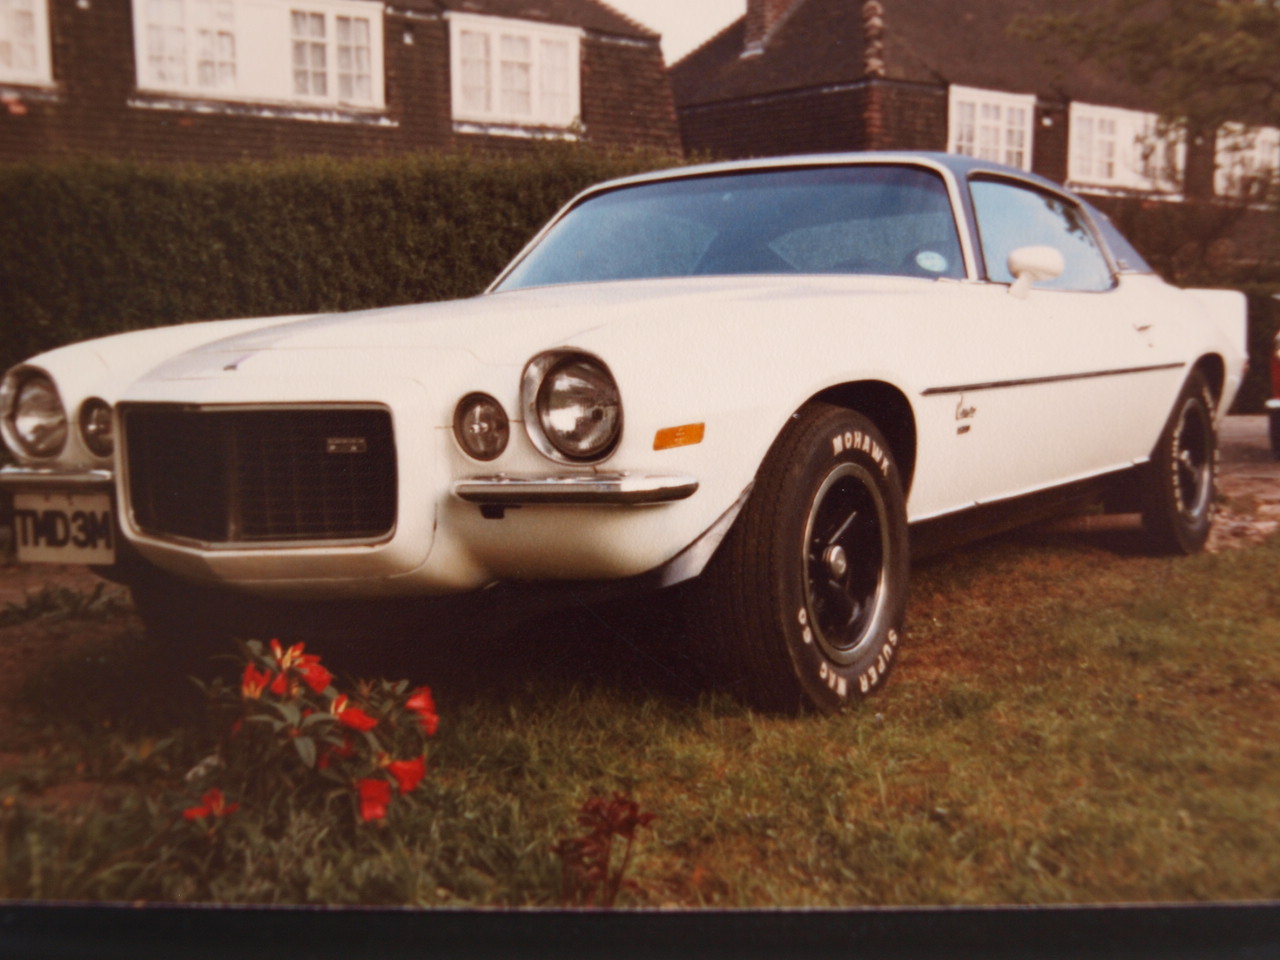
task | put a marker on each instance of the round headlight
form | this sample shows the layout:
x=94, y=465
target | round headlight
x=481, y=426
x=579, y=409
x=95, y=426
x=34, y=418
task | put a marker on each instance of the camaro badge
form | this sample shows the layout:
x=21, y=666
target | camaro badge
x=346, y=445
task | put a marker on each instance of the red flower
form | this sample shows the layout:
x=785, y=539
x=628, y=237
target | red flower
x=353, y=717
x=408, y=773
x=255, y=681
x=288, y=658
x=308, y=665
x=316, y=676
x=423, y=704
x=374, y=797
x=280, y=686
x=213, y=804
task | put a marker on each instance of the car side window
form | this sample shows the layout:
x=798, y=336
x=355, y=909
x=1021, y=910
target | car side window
x=1013, y=215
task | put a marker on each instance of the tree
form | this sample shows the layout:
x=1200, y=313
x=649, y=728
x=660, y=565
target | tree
x=1207, y=62
x=1212, y=70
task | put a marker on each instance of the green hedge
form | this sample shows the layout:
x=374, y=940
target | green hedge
x=91, y=247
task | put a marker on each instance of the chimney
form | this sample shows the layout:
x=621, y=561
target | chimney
x=762, y=17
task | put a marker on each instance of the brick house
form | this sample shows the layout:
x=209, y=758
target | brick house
x=230, y=79
x=796, y=76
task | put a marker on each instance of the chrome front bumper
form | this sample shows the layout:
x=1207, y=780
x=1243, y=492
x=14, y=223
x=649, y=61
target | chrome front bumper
x=50, y=479
x=617, y=488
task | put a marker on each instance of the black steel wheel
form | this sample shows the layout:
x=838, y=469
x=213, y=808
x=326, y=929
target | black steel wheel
x=1180, y=485
x=804, y=601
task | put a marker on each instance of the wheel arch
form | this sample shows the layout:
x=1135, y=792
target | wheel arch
x=889, y=409
x=1214, y=369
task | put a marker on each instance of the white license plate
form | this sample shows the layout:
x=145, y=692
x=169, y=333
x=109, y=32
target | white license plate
x=64, y=528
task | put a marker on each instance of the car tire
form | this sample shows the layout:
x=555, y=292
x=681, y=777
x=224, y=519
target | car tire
x=1179, y=488
x=804, y=601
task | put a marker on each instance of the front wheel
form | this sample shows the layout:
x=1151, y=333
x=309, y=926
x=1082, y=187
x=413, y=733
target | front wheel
x=804, y=601
x=1179, y=485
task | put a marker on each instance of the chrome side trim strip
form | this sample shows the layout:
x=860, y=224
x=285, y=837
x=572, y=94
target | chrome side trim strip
x=1056, y=378
x=52, y=480
x=619, y=488
x=1273, y=403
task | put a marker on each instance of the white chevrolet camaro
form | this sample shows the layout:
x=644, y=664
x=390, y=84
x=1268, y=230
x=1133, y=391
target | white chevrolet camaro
x=777, y=377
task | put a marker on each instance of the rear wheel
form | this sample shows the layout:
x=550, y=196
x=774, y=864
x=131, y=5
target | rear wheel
x=1179, y=486
x=805, y=599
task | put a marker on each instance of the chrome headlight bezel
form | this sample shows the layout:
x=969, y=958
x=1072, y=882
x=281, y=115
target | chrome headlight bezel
x=547, y=380
x=20, y=387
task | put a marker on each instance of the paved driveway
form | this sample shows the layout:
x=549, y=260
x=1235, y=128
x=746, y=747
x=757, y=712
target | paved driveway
x=1249, y=481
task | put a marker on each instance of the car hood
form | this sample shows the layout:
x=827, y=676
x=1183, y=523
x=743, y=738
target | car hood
x=509, y=327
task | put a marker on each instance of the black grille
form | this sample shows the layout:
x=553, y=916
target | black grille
x=246, y=476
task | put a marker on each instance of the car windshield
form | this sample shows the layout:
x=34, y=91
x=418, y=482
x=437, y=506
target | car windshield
x=863, y=219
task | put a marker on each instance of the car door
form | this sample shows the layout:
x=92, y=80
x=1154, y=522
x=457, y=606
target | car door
x=1058, y=385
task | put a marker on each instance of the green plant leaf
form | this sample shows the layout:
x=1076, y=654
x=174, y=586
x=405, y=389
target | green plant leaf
x=306, y=748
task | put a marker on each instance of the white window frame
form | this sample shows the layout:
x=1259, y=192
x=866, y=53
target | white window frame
x=1245, y=157
x=1112, y=148
x=39, y=69
x=261, y=46
x=500, y=104
x=991, y=125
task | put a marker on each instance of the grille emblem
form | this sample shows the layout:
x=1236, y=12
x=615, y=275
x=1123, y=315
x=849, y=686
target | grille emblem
x=346, y=445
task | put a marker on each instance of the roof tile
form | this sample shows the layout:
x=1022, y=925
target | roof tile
x=965, y=42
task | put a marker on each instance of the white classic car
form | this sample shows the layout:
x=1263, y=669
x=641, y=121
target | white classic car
x=777, y=377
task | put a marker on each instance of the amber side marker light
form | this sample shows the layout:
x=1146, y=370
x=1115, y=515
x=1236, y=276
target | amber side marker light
x=683, y=436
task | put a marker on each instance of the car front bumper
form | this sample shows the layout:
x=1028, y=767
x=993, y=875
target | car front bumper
x=49, y=480
x=577, y=527
x=619, y=488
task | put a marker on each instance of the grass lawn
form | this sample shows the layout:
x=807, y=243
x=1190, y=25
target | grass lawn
x=1070, y=721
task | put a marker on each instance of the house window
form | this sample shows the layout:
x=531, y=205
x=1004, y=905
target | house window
x=514, y=72
x=320, y=52
x=355, y=59
x=310, y=55
x=215, y=44
x=1247, y=160
x=24, y=41
x=1123, y=149
x=991, y=125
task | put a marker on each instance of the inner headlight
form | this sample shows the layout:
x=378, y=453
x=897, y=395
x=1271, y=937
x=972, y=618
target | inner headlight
x=481, y=426
x=95, y=426
x=33, y=419
x=577, y=407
